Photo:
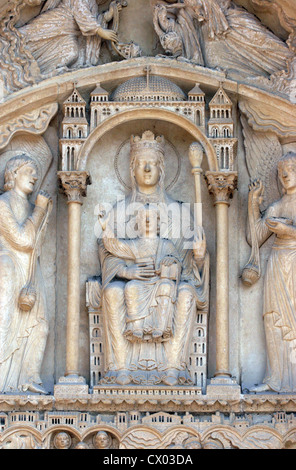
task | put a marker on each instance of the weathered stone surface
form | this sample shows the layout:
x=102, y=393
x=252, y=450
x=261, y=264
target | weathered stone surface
x=100, y=73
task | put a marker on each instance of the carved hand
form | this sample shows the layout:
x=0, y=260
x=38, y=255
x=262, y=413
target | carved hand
x=199, y=244
x=107, y=34
x=256, y=189
x=140, y=272
x=281, y=229
x=43, y=200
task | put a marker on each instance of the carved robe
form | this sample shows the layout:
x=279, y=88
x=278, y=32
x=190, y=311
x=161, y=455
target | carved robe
x=235, y=40
x=53, y=37
x=23, y=334
x=151, y=363
x=279, y=310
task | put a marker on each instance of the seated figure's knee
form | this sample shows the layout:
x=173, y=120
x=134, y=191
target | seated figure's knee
x=131, y=288
x=114, y=291
x=185, y=297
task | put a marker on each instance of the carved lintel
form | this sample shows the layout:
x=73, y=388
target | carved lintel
x=74, y=184
x=221, y=184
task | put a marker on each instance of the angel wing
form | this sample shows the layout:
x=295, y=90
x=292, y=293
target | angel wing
x=263, y=151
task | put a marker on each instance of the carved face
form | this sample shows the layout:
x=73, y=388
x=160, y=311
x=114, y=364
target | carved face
x=287, y=175
x=25, y=179
x=62, y=441
x=147, y=170
x=102, y=440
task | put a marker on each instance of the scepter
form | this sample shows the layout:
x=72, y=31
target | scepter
x=195, y=157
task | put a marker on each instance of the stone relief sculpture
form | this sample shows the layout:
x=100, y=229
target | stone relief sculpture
x=279, y=286
x=23, y=323
x=177, y=33
x=104, y=440
x=155, y=321
x=68, y=32
x=62, y=440
x=21, y=440
x=231, y=38
x=150, y=301
x=18, y=67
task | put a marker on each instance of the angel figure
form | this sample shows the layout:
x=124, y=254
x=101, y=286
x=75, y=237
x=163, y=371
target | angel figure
x=279, y=301
x=233, y=39
x=68, y=32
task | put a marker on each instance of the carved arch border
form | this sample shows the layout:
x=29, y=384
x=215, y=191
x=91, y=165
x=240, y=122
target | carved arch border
x=147, y=113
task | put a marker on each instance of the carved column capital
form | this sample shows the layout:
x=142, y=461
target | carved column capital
x=74, y=184
x=222, y=185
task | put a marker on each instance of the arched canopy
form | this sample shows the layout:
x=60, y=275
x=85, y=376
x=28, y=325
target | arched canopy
x=147, y=113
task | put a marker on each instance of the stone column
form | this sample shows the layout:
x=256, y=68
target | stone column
x=73, y=184
x=222, y=184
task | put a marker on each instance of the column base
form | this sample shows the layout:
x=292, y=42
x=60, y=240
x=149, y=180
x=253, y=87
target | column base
x=224, y=387
x=71, y=385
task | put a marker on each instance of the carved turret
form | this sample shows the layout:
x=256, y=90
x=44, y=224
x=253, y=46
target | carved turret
x=221, y=129
x=74, y=130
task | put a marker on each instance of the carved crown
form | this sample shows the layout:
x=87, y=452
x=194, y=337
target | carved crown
x=147, y=141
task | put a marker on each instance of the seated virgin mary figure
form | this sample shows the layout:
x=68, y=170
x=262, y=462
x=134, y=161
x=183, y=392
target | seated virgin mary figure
x=149, y=287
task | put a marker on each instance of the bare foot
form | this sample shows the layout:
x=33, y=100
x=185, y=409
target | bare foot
x=156, y=334
x=36, y=388
x=260, y=388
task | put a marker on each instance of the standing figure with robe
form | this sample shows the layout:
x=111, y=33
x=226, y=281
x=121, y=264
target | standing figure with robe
x=23, y=319
x=279, y=300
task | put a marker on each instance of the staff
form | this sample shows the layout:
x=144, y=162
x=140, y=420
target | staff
x=195, y=157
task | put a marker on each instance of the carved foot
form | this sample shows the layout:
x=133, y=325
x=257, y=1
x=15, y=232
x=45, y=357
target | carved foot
x=157, y=334
x=171, y=378
x=36, y=388
x=123, y=378
x=138, y=334
x=260, y=388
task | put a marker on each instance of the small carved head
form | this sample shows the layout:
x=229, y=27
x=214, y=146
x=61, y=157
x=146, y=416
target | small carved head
x=102, y=440
x=22, y=170
x=62, y=440
x=287, y=171
x=81, y=445
x=172, y=43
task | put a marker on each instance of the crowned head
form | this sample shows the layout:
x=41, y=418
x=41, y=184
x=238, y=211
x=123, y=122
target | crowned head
x=147, y=161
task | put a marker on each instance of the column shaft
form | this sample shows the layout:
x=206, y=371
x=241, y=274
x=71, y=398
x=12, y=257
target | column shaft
x=73, y=184
x=222, y=184
x=73, y=304
x=222, y=290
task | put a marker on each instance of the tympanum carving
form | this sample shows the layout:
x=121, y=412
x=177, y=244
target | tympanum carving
x=219, y=34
